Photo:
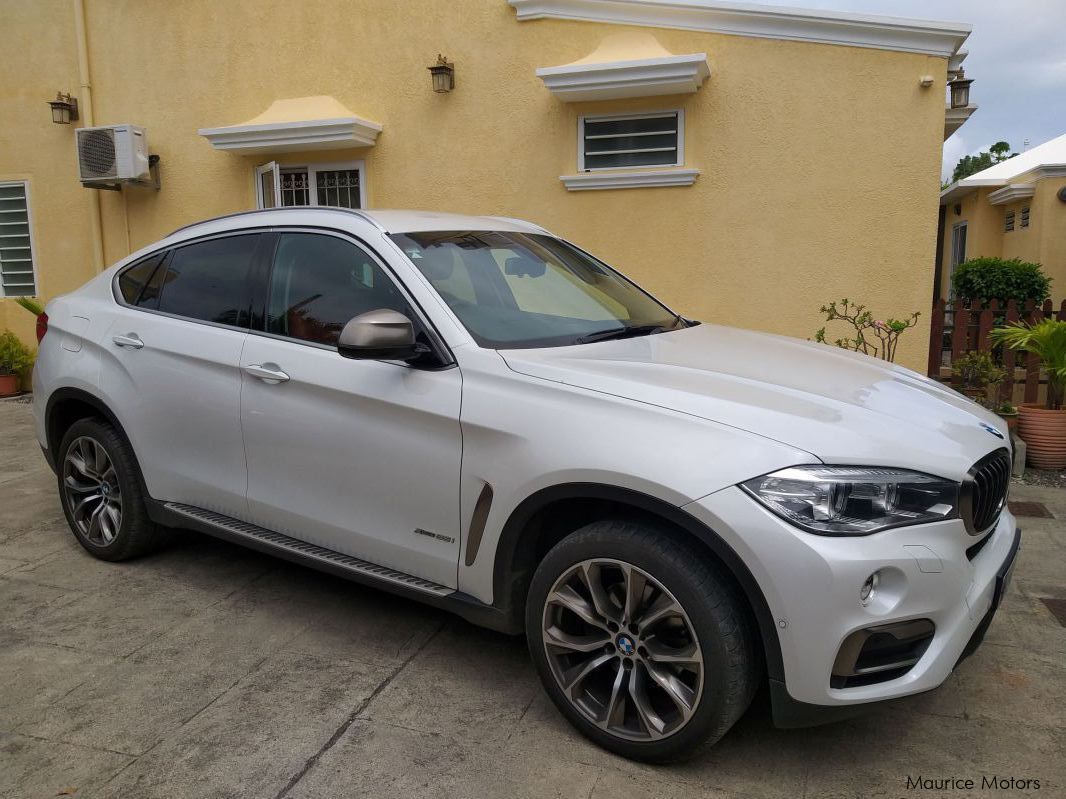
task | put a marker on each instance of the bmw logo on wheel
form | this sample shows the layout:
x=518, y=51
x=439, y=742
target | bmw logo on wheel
x=625, y=645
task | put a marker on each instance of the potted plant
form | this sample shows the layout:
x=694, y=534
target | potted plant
x=979, y=378
x=1009, y=414
x=15, y=361
x=1042, y=428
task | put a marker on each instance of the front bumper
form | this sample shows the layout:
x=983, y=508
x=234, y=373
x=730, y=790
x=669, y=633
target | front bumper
x=811, y=584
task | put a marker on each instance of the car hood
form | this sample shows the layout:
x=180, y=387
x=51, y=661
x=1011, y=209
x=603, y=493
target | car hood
x=840, y=406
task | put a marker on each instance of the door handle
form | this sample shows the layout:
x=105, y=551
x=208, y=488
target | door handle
x=131, y=340
x=267, y=372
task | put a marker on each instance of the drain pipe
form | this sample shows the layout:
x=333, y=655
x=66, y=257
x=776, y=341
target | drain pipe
x=85, y=107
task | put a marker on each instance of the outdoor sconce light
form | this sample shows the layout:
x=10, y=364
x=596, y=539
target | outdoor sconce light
x=443, y=75
x=64, y=109
x=958, y=209
x=960, y=90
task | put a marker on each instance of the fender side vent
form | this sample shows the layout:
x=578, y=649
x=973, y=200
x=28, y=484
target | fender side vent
x=477, y=524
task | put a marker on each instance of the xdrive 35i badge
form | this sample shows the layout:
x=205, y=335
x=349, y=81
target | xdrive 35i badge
x=991, y=430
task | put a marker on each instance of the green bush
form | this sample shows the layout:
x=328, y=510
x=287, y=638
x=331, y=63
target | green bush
x=1001, y=279
x=15, y=357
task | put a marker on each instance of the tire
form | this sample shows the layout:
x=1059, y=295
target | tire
x=697, y=634
x=108, y=471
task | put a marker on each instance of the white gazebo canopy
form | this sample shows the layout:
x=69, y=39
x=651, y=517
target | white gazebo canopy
x=296, y=124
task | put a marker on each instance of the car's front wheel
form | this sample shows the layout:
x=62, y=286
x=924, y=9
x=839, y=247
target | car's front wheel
x=640, y=640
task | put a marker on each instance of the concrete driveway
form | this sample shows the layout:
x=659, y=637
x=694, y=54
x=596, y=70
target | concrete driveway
x=211, y=671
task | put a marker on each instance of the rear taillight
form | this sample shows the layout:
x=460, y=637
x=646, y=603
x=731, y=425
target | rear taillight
x=42, y=326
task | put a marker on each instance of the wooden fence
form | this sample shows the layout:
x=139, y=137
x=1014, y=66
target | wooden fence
x=961, y=326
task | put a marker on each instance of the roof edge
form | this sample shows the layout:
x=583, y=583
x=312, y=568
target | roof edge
x=929, y=37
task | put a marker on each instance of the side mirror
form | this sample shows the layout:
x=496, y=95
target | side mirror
x=379, y=335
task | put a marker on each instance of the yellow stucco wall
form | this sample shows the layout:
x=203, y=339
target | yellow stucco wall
x=1049, y=226
x=819, y=163
x=1043, y=242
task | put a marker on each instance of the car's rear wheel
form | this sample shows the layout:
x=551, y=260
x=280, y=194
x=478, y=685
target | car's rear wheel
x=101, y=493
x=640, y=640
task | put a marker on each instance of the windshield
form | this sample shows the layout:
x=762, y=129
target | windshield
x=514, y=290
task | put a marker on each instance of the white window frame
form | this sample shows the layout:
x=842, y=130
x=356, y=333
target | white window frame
x=270, y=168
x=25, y=184
x=312, y=178
x=679, y=161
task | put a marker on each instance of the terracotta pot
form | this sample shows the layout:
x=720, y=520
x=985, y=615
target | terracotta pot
x=1044, y=434
x=9, y=385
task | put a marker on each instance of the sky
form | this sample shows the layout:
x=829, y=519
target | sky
x=1017, y=58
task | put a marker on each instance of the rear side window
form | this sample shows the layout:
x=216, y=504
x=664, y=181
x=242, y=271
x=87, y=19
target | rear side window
x=209, y=280
x=131, y=283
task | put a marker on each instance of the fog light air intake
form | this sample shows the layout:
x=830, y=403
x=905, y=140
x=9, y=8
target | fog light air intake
x=881, y=653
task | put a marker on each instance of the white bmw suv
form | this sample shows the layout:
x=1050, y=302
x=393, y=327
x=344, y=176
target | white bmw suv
x=477, y=414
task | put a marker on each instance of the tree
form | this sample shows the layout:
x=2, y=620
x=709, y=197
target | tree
x=972, y=164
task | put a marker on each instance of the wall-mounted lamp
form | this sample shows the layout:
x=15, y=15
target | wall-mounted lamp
x=443, y=75
x=64, y=109
x=926, y=81
x=960, y=90
x=958, y=209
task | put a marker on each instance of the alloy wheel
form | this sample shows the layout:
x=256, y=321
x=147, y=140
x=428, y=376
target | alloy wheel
x=92, y=491
x=622, y=649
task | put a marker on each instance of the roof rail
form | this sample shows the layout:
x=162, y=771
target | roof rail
x=355, y=211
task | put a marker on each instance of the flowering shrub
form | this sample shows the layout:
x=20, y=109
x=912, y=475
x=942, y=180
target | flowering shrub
x=876, y=337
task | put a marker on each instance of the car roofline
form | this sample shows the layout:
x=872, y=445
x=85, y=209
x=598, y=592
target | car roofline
x=359, y=214
x=350, y=211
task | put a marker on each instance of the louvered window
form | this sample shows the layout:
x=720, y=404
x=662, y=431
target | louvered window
x=631, y=141
x=16, y=249
x=1025, y=217
x=1008, y=221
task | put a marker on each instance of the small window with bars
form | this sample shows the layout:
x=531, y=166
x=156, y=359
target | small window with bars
x=1008, y=222
x=338, y=184
x=633, y=140
x=16, y=247
x=1025, y=217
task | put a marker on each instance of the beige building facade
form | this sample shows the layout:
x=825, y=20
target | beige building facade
x=745, y=165
x=1015, y=209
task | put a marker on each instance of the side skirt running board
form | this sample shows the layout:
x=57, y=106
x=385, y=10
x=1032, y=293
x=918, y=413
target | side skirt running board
x=173, y=514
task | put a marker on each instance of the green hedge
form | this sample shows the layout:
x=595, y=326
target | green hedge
x=1001, y=279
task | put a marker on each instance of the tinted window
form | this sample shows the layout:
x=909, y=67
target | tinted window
x=209, y=280
x=150, y=296
x=519, y=290
x=320, y=282
x=132, y=281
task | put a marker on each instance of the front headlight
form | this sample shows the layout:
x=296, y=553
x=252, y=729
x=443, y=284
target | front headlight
x=854, y=500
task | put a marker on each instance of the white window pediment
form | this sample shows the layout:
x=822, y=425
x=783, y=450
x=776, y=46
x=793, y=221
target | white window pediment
x=296, y=125
x=641, y=77
x=626, y=65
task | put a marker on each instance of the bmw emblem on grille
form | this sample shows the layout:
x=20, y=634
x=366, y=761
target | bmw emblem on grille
x=625, y=645
x=992, y=430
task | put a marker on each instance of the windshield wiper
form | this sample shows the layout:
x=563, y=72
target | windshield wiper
x=620, y=332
